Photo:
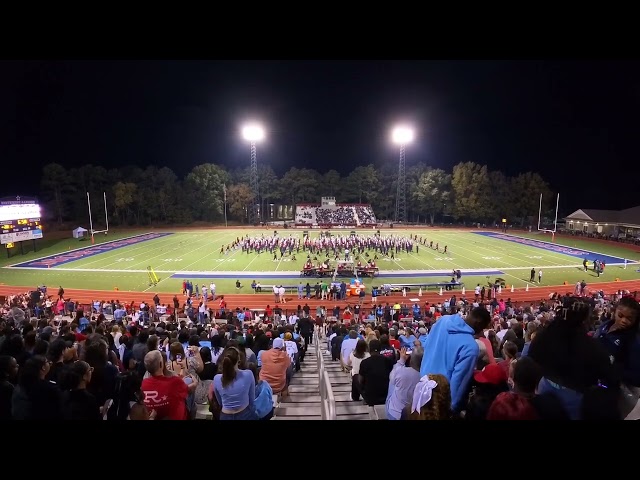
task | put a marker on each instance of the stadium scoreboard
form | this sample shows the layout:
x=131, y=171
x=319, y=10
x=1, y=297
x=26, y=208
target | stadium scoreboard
x=19, y=220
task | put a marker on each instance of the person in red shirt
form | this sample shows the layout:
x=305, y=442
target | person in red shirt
x=167, y=396
x=393, y=339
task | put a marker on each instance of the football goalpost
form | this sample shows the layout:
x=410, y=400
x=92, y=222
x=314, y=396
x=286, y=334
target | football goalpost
x=555, y=222
x=106, y=217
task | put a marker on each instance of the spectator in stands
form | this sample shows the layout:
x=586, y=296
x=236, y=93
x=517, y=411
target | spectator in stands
x=487, y=384
x=355, y=359
x=55, y=355
x=571, y=361
x=166, y=395
x=276, y=367
x=510, y=406
x=619, y=336
x=402, y=382
x=525, y=377
x=78, y=403
x=451, y=350
x=374, y=376
x=34, y=398
x=235, y=389
x=103, y=378
x=8, y=377
x=263, y=404
x=430, y=400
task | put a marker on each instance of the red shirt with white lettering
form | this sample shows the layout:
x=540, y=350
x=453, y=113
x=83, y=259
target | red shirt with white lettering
x=167, y=396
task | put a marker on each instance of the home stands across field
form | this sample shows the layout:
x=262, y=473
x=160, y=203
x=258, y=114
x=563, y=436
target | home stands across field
x=336, y=215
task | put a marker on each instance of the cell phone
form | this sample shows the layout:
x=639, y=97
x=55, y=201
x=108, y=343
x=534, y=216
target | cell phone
x=408, y=352
x=178, y=358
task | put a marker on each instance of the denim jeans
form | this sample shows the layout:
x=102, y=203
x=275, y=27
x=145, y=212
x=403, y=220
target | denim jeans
x=246, y=414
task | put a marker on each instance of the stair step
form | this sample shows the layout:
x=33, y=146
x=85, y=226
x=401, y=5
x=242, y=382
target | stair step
x=303, y=405
x=305, y=417
x=304, y=381
x=285, y=410
x=310, y=397
x=360, y=416
x=306, y=389
x=342, y=388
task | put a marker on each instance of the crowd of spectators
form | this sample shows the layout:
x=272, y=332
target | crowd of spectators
x=342, y=215
x=365, y=215
x=566, y=357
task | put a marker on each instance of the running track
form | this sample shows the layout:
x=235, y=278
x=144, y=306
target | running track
x=259, y=301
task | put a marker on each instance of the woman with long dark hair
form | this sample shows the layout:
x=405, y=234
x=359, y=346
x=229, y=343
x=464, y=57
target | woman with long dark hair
x=78, y=403
x=8, y=377
x=34, y=398
x=571, y=361
x=234, y=389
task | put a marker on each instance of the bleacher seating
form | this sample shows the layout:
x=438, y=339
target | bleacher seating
x=340, y=215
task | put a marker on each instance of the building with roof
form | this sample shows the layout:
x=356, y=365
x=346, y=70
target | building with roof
x=612, y=223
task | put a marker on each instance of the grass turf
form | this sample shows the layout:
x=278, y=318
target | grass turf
x=198, y=251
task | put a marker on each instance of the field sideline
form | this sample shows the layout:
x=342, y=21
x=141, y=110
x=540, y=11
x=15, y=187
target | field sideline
x=119, y=260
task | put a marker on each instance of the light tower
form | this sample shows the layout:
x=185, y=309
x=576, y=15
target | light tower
x=401, y=135
x=253, y=133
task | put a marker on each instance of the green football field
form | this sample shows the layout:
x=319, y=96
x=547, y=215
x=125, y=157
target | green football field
x=195, y=255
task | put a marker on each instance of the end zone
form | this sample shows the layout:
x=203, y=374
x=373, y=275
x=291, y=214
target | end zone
x=73, y=255
x=554, y=248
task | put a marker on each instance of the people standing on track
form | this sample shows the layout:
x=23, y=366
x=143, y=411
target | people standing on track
x=540, y=276
x=532, y=279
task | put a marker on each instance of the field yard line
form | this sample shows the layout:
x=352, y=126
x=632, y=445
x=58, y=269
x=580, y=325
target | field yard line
x=469, y=250
x=516, y=249
x=148, y=259
x=399, y=265
x=118, y=252
x=216, y=238
x=279, y=262
x=508, y=274
x=212, y=252
x=422, y=261
x=180, y=246
x=256, y=256
x=205, y=244
x=495, y=268
x=155, y=248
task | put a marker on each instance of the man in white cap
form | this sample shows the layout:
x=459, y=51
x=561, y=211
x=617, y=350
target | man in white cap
x=276, y=367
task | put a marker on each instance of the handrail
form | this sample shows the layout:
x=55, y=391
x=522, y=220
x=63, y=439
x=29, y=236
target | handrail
x=327, y=399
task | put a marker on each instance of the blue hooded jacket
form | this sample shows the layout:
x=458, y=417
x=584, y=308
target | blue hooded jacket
x=451, y=350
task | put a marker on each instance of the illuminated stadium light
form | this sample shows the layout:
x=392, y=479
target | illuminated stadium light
x=253, y=133
x=402, y=135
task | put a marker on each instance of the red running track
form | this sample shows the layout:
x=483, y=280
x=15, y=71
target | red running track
x=259, y=301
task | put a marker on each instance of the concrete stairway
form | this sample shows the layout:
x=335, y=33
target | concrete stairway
x=303, y=402
x=346, y=409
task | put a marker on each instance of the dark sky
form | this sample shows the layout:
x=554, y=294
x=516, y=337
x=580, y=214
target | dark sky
x=575, y=122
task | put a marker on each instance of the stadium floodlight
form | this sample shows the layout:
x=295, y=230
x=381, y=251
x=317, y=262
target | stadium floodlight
x=401, y=135
x=254, y=133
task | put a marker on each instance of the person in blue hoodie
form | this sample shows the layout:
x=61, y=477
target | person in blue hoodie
x=451, y=350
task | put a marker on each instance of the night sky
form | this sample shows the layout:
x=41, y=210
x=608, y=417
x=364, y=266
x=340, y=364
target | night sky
x=575, y=122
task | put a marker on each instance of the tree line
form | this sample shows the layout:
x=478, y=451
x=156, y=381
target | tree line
x=137, y=196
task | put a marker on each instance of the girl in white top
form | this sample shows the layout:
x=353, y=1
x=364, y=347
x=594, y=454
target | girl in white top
x=357, y=356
